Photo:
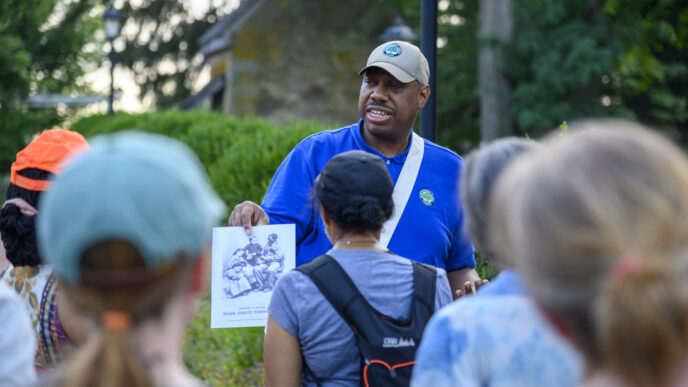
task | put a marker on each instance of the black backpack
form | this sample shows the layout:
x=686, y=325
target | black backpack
x=387, y=346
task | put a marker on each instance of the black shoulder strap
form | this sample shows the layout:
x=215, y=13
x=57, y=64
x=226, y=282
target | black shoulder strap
x=336, y=286
x=326, y=274
x=424, y=281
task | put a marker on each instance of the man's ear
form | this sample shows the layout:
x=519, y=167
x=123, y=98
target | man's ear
x=423, y=95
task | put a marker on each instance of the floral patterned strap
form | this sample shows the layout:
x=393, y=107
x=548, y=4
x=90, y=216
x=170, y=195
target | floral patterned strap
x=51, y=335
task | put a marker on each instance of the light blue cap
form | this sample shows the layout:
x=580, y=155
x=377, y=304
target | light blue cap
x=148, y=190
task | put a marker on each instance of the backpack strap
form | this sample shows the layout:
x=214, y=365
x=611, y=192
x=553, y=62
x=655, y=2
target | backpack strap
x=326, y=274
x=424, y=284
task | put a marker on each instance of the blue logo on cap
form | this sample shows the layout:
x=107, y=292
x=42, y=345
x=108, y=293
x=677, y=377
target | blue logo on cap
x=392, y=50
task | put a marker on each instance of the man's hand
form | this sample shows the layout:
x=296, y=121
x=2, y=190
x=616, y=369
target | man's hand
x=464, y=281
x=470, y=287
x=248, y=214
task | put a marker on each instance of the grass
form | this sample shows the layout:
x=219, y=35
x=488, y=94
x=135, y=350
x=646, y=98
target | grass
x=223, y=357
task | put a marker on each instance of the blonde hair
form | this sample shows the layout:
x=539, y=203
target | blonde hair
x=107, y=358
x=608, y=193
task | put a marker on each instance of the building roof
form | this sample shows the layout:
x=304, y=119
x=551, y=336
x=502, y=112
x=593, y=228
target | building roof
x=49, y=100
x=219, y=36
x=214, y=86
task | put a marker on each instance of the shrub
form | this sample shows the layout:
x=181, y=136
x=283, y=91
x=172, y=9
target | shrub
x=239, y=154
x=485, y=268
x=254, y=160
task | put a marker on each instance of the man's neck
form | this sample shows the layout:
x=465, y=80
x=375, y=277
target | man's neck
x=388, y=147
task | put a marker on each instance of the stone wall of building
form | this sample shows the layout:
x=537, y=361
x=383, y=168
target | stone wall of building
x=299, y=62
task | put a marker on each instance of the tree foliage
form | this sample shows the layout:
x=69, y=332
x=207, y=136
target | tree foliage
x=569, y=59
x=42, y=48
x=161, y=47
x=580, y=58
x=458, y=101
x=560, y=54
x=653, y=69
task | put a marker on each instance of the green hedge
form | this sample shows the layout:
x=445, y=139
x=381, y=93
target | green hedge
x=240, y=156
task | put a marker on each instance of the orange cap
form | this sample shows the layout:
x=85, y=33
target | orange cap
x=49, y=152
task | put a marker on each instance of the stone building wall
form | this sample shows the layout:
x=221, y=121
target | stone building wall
x=298, y=63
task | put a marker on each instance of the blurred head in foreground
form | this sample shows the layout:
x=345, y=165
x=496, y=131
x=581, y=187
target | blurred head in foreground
x=125, y=227
x=596, y=223
x=480, y=171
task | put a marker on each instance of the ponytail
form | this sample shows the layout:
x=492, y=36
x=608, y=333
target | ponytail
x=108, y=360
x=641, y=320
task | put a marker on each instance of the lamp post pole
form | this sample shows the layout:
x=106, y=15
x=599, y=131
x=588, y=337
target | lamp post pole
x=112, y=79
x=111, y=20
x=428, y=45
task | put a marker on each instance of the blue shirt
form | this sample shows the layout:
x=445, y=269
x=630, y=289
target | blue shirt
x=494, y=341
x=495, y=338
x=429, y=233
x=508, y=282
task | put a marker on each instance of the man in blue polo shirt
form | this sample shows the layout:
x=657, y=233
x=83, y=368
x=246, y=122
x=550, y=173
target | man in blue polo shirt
x=427, y=223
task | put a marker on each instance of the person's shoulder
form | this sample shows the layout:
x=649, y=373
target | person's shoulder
x=391, y=258
x=440, y=154
x=505, y=283
x=440, y=272
x=48, y=379
x=10, y=301
x=6, y=292
x=294, y=279
x=489, y=309
x=364, y=257
x=331, y=136
x=288, y=279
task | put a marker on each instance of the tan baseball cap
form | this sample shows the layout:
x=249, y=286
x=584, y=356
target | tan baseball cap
x=401, y=59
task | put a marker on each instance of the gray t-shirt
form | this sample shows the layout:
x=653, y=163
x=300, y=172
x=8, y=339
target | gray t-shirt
x=327, y=343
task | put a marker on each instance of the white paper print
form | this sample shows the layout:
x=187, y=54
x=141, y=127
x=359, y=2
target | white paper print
x=245, y=270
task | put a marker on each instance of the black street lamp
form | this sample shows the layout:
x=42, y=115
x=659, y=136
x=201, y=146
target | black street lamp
x=112, y=19
x=398, y=31
x=428, y=45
